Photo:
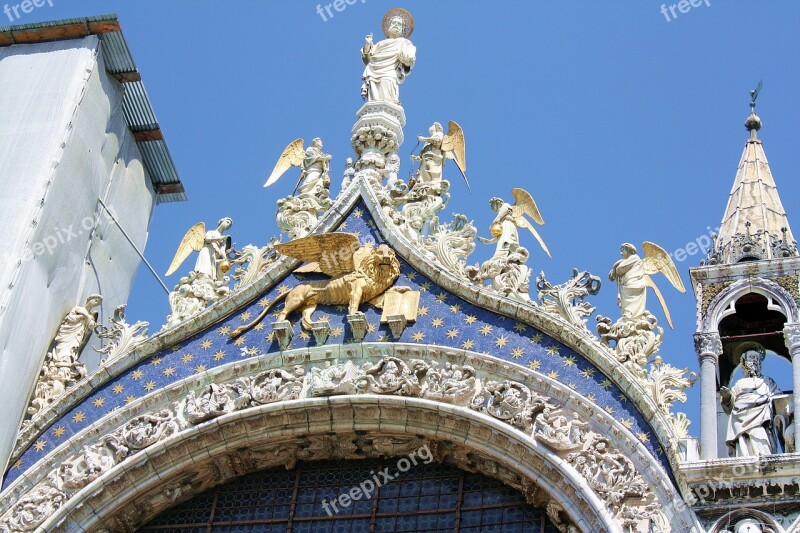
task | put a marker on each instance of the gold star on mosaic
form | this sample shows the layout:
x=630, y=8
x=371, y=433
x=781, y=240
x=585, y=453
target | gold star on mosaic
x=341, y=308
x=468, y=344
x=99, y=402
x=156, y=361
x=259, y=326
x=627, y=422
x=552, y=350
x=383, y=338
x=622, y=397
x=276, y=315
x=343, y=225
x=569, y=361
x=501, y=341
x=358, y=213
x=150, y=385
x=283, y=289
x=39, y=446
x=17, y=465
x=470, y=319
x=118, y=388
x=534, y=364
x=175, y=349
x=224, y=331
x=137, y=374
x=418, y=336
x=338, y=331
x=206, y=344
x=591, y=397
x=437, y=322
x=412, y=276
x=304, y=335
x=271, y=336
x=422, y=311
x=644, y=437
x=370, y=224
x=516, y=353
x=263, y=302
x=371, y=328
x=239, y=341
x=199, y=369
x=130, y=399
x=587, y=373
x=572, y=386
x=519, y=327
x=441, y=297
x=59, y=432
x=219, y=355
x=425, y=287
x=485, y=330
x=244, y=317
x=606, y=384
x=169, y=371
x=452, y=333
x=187, y=358
x=455, y=308
x=537, y=338
x=609, y=409
x=553, y=375
x=78, y=417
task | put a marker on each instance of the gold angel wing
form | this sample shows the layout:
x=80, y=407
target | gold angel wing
x=193, y=241
x=522, y=222
x=524, y=205
x=649, y=282
x=332, y=252
x=455, y=146
x=292, y=156
x=656, y=259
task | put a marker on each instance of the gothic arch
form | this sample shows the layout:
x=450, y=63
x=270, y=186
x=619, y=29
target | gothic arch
x=724, y=304
x=734, y=517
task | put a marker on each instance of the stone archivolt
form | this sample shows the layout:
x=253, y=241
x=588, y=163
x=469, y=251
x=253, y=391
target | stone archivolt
x=610, y=474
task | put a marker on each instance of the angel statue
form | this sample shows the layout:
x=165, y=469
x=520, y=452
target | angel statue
x=439, y=146
x=507, y=268
x=388, y=62
x=298, y=213
x=208, y=281
x=632, y=275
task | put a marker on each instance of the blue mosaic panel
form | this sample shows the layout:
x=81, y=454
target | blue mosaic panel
x=444, y=319
x=428, y=497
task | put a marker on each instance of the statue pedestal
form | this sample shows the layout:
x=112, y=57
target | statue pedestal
x=377, y=133
x=397, y=324
x=358, y=326
x=283, y=332
x=321, y=331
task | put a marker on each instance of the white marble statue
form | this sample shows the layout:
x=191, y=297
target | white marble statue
x=388, y=62
x=431, y=157
x=632, y=274
x=349, y=173
x=749, y=404
x=213, y=247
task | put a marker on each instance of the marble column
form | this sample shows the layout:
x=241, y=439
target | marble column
x=708, y=347
x=791, y=334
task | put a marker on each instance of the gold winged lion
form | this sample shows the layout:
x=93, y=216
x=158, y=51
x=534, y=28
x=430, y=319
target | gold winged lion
x=358, y=274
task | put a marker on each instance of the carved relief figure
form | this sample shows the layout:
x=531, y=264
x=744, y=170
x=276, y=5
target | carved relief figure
x=749, y=404
x=359, y=274
x=388, y=62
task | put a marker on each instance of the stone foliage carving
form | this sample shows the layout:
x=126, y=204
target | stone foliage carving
x=192, y=294
x=567, y=300
x=90, y=463
x=666, y=385
x=633, y=342
x=61, y=369
x=611, y=475
x=451, y=244
x=123, y=337
x=252, y=260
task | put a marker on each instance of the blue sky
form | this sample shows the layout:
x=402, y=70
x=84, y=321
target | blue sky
x=623, y=125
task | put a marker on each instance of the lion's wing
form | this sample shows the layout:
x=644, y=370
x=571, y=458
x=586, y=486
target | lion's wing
x=332, y=251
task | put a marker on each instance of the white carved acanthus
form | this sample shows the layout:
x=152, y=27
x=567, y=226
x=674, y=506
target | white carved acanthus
x=298, y=215
x=566, y=300
x=256, y=260
x=451, y=244
x=635, y=341
x=192, y=294
x=124, y=337
x=666, y=385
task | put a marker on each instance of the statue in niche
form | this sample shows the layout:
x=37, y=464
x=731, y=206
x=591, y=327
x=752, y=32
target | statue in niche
x=388, y=62
x=749, y=404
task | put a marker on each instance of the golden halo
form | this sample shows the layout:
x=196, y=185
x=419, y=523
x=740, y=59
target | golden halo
x=403, y=14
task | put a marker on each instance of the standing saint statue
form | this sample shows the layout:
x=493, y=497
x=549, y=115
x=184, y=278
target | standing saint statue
x=388, y=62
x=749, y=404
